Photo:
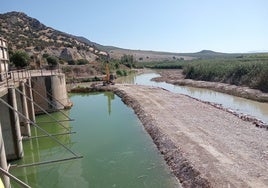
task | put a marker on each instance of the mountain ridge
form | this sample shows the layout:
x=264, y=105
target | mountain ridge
x=29, y=34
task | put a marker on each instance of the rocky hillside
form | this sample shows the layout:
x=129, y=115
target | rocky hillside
x=24, y=32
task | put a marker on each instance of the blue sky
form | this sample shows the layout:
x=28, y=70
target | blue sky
x=160, y=25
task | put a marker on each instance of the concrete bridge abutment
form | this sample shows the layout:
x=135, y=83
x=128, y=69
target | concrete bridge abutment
x=19, y=103
x=20, y=109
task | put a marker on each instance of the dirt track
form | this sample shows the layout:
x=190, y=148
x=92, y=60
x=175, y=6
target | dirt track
x=204, y=146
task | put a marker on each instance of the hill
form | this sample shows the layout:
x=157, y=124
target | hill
x=29, y=34
x=24, y=32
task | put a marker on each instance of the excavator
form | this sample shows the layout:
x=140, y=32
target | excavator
x=109, y=78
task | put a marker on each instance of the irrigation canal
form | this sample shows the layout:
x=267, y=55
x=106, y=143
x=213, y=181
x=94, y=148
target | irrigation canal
x=117, y=152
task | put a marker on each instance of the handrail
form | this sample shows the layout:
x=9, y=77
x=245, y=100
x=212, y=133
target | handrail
x=11, y=77
x=14, y=178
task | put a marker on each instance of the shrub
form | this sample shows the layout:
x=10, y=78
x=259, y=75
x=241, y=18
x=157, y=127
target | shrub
x=71, y=62
x=20, y=59
x=53, y=61
x=245, y=71
x=119, y=73
x=82, y=62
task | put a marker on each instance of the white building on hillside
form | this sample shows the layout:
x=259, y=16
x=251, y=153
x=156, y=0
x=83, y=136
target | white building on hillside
x=4, y=59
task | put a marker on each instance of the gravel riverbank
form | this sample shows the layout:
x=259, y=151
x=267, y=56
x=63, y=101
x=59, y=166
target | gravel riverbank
x=204, y=146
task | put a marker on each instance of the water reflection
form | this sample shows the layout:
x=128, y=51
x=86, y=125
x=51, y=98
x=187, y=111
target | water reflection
x=117, y=152
x=43, y=148
x=257, y=109
x=110, y=97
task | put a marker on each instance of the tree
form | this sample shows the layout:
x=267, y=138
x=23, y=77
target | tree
x=20, y=59
x=53, y=61
x=127, y=60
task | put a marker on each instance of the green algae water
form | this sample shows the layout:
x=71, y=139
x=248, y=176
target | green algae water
x=116, y=150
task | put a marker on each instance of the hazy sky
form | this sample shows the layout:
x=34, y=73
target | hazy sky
x=161, y=25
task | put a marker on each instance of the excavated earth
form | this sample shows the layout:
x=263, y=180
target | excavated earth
x=204, y=146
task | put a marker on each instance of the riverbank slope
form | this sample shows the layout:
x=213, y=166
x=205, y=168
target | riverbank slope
x=177, y=78
x=203, y=145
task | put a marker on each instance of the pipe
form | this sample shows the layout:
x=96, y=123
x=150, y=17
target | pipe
x=43, y=110
x=54, y=121
x=14, y=178
x=46, y=162
x=42, y=136
x=43, y=130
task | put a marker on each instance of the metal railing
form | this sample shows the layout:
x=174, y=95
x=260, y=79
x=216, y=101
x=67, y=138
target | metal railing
x=12, y=77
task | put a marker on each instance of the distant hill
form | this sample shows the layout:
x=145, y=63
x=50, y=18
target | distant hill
x=208, y=54
x=24, y=32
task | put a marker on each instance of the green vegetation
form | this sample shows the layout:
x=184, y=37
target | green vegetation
x=127, y=60
x=20, y=59
x=120, y=67
x=78, y=62
x=52, y=61
x=161, y=65
x=82, y=62
x=251, y=71
x=238, y=69
x=121, y=73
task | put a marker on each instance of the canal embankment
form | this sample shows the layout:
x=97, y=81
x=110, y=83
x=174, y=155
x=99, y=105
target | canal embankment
x=176, y=77
x=203, y=144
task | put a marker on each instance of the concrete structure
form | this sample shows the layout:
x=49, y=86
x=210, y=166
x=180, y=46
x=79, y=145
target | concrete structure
x=55, y=92
x=3, y=161
x=24, y=98
x=4, y=59
x=20, y=99
x=23, y=94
